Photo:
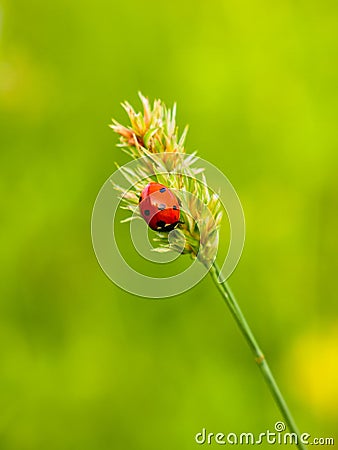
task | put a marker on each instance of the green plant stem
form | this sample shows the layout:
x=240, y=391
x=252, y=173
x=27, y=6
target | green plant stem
x=236, y=312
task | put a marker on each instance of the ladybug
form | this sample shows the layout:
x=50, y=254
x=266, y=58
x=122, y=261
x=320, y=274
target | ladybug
x=159, y=207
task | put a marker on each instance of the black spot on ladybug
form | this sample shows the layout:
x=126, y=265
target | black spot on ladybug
x=160, y=224
x=161, y=206
x=175, y=207
x=163, y=189
x=147, y=212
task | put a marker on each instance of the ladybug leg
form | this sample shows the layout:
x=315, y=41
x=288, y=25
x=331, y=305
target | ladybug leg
x=171, y=226
x=161, y=226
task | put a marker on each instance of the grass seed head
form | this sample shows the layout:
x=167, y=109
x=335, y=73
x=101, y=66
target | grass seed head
x=152, y=138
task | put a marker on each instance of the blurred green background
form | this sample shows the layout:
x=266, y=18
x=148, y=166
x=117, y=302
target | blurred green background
x=85, y=365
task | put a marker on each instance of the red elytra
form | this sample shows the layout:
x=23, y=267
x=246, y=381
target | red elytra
x=159, y=207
